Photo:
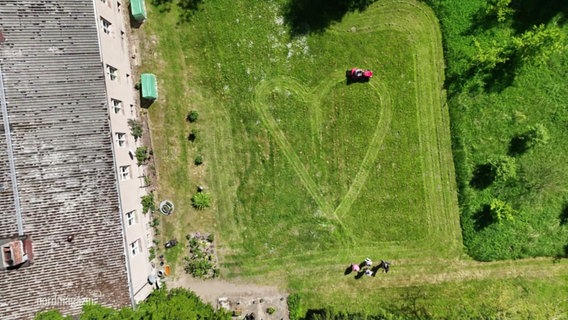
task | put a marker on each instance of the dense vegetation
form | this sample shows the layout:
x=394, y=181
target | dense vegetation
x=160, y=305
x=506, y=78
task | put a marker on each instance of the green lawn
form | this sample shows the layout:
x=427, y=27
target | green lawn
x=309, y=174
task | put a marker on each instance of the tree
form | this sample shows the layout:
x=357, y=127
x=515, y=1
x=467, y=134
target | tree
x=499, y=9
x=177, y=303
x=51, y=315
x=501, y=210
x=503, y=168
x=539, y=43
x=487, y=58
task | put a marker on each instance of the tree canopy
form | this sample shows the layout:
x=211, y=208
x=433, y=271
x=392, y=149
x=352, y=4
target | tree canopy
x=176, y=304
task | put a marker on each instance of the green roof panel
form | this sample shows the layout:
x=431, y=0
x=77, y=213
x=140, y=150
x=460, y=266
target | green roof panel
x=138, y=8
x=149, y=86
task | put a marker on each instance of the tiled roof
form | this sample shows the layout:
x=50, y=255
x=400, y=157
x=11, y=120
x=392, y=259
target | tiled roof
x=55, y=98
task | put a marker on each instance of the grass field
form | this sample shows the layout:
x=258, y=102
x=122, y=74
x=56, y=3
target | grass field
x=309, y=174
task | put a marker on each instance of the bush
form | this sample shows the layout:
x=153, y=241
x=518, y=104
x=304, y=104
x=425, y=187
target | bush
x=135, y=128
x=504, y=168
x=270, y=310
x=147, y=181
x=536, y=135
x=192, y=116
x=198, y=268
x=192, y=135
x=152, y=253
x=142, y=155
x=148, y=203
x=201, y=200
x=198, y=160
x=501, y=210
x=211, y=237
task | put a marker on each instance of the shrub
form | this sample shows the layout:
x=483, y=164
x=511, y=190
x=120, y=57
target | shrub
x=503, y=168
x=192, y=135
x=295, y=306
x=198, y=268
x=147, y=181
x=536, y=135
x=148, y=203
x=198, y=160
x=211, y=237
x=152, y=253
x=192, y=116
x=201, y=200
x=270, y=310
x=142, y=154
x=135, y=128
x=501, y=210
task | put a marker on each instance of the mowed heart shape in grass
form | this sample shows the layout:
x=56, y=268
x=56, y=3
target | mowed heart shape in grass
x=331, y=147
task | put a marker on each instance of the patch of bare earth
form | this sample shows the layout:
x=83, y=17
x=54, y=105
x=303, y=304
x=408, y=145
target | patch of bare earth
x=240, y=298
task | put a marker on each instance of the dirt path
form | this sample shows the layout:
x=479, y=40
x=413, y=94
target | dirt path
x=240, y=297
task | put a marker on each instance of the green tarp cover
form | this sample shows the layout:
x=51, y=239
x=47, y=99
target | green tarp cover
x=149, y=86
x=138, y=9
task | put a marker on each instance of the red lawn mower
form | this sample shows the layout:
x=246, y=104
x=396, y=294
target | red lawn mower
x=358, y=75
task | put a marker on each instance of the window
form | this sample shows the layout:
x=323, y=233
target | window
x=134, y=247
x=105, y=25
x=131, y=218
x=120, y=138
x=112, y=72
x=116, y=105
x=124, y=173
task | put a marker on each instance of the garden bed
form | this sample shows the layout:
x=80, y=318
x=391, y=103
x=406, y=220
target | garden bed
x=201, y=261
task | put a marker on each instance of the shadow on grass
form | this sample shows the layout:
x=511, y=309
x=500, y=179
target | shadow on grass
x=375, y=270
x=348, y=271
x=314, y=16
x=188, y=9
x=412, y=305
x=535, y=12
x=501, y=76
x=162, y=5
x=481, y=21
x=476, y=78
x=482, y=218
x=517, y=146
x=564, y=215
x=483, y=176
